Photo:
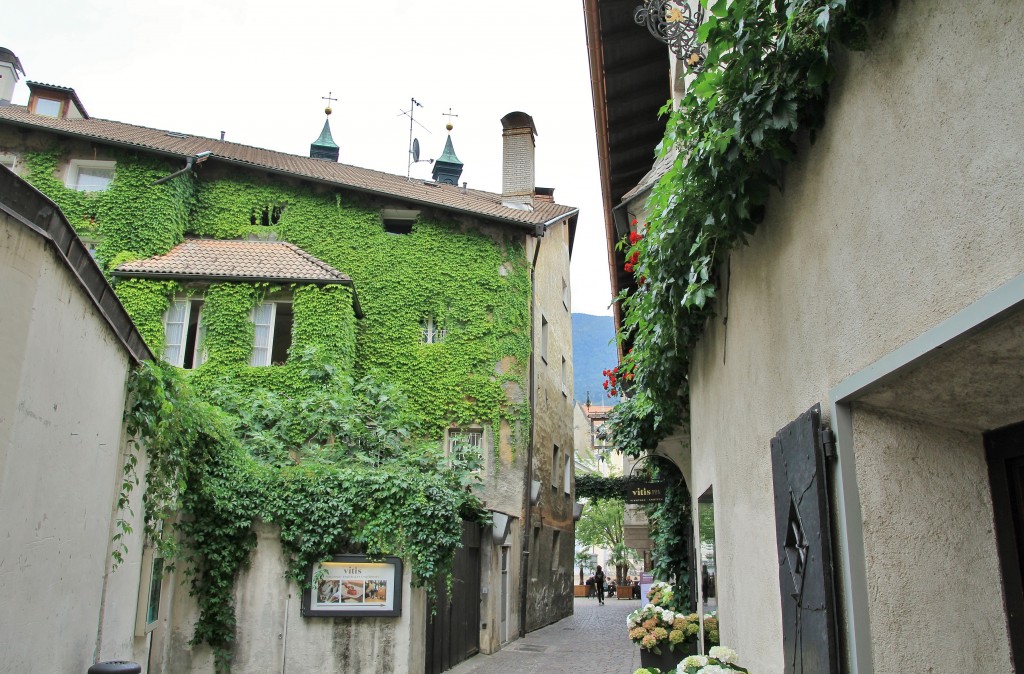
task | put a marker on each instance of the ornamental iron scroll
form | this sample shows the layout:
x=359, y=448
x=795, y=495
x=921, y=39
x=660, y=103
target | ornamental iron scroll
x=675, y=23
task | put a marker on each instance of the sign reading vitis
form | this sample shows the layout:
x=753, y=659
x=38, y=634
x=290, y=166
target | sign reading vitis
x=355, y=586
x=645, y=492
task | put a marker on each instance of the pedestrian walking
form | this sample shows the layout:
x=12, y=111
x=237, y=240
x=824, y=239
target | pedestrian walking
x=599, y=584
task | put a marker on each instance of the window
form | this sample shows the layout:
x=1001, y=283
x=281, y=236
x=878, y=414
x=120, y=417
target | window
x=567, y=477
x=398, y=220
x=272, y=335
x=267, y=216
x=8, y=160
x=48, y=107
x=556, y=540
x=90, y=176
x=466, y=444
x=565, y=377
x=544, y=339
x=565, y=295
x=555, y=467
x=431, y=331
x=184, y=334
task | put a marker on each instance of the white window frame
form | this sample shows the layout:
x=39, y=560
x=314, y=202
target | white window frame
x=9, y=160
x=567, y=479
x=199, y=352
x=260, y=355
x=75, y=167
x=477, y=433
x=430, y=332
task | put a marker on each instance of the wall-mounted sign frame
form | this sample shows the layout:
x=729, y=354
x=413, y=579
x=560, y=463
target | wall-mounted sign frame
x=645, y=492
x=354, y=586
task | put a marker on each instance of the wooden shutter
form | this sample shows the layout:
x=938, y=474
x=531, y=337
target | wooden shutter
x=803, y=535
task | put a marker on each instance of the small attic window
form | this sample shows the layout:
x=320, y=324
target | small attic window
x=48, y=107
x=266, y=216
x=398, y=221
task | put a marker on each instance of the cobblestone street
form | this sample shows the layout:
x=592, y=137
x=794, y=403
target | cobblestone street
x=591, y=641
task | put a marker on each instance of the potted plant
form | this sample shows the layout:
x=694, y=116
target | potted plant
x=718, y=660
x=665, y=636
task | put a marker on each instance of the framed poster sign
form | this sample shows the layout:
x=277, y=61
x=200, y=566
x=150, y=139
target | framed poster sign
x=354, y=586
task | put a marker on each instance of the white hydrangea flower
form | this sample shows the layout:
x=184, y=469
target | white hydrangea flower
x=668, y=616
x=723, y=654
x=692, y=661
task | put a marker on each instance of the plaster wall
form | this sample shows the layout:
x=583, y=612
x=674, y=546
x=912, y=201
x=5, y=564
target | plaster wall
x=550, y=565
x=906, y=210
x=940, y=559
x=272, y=634
x=61, y=450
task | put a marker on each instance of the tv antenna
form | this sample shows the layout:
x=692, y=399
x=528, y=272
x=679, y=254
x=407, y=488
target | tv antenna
x=414, y=143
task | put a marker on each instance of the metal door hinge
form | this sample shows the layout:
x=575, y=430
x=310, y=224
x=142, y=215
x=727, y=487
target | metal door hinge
x=828, y=442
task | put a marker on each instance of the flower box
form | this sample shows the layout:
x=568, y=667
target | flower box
x=624, y=592
x=667, y=660
x=579, y=590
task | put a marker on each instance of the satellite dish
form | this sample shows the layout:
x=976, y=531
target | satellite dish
x=415, y=149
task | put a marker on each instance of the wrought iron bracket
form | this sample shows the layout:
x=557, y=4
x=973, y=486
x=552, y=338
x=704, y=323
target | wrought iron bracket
x=674, y=22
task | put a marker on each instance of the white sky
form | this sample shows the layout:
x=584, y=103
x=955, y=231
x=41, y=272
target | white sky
x=258, y=69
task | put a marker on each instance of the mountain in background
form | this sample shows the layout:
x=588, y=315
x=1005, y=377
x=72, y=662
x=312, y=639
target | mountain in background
x=593, y=351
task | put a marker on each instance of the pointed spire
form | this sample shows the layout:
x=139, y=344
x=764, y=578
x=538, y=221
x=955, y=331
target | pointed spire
x=324, y=147
x=447, y=167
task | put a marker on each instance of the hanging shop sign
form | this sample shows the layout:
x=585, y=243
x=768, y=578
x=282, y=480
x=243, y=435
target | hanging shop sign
x=354, y=586
x=645, y=492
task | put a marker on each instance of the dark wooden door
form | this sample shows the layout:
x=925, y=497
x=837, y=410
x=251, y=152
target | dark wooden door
x=803, y=532
x=1005, y=453
x=453, y=632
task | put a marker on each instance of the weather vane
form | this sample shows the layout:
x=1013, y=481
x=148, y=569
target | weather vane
x=449, y=115
x=328, y=98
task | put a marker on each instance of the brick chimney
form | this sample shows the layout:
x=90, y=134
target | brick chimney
x=517, y=172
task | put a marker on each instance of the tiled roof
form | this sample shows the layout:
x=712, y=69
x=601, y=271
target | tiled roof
x=214, y=258
x=448, y=197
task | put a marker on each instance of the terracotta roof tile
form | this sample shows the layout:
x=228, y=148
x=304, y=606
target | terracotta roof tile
x=209, y=258
x=449, y=197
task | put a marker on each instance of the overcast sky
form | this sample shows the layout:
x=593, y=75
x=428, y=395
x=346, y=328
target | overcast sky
x=257, y=70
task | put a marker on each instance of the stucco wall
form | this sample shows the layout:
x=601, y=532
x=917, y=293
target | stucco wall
x=550, y=570
x=274, y=636
x=929, y=544
x=907, y=209
x=61, y=401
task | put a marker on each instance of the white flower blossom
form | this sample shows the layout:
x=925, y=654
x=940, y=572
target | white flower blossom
x=715, y=669
x=723, y=654
x=691, y=661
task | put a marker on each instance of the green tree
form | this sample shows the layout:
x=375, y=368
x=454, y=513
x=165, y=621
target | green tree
x=601, y=524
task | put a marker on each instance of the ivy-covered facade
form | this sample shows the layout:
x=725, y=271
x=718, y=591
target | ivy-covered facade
x=287, y=291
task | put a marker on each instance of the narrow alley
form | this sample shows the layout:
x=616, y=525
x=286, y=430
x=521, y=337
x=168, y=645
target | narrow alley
x=593, y=641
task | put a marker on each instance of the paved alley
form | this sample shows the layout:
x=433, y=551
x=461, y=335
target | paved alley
x=591, y=641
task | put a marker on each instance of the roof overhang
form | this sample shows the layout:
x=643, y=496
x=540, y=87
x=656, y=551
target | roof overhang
x=631, y=81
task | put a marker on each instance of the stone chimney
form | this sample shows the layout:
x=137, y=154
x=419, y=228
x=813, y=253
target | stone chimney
x=10, y=66
x=517, y=172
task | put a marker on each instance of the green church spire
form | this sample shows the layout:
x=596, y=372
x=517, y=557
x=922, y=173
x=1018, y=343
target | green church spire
x=324, y=147
x=447, y=167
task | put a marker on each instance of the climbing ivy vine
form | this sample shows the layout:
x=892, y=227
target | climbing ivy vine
x=318, y=445
x=763, y=84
